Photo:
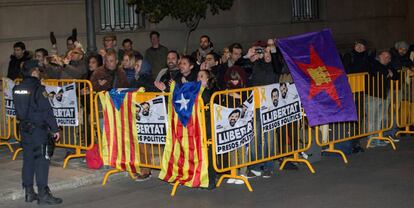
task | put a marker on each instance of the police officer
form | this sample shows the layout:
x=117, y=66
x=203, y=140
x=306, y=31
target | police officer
x=37, y=122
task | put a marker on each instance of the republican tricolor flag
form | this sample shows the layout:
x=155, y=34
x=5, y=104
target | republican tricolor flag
x=185, y=154
x=120, y=148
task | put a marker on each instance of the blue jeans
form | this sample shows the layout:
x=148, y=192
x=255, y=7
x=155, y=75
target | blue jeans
x=265, y=147
x=394, y=128
x=376, y=111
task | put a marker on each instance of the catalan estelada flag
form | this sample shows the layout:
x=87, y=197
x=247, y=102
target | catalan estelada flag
x=319, y=77
x=120, y=148
x=185, y=154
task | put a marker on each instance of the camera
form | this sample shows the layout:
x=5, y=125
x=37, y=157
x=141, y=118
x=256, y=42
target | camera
x=259, y=50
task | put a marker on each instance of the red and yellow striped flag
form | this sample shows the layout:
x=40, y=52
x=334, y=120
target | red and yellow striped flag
x=120, y=147
x=185, y=154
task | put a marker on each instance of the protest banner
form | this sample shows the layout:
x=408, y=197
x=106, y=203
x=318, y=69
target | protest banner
x=8, y=85
x=64, y=103
x=234, y=127
x=151, y=121
x=280, y=105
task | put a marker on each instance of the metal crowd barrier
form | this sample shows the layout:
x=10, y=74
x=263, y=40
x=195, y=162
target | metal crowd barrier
x=150, y=154
x=404, y=101
x=284, y=141
x=373, y=103
x=5, y=128
x=81, y=137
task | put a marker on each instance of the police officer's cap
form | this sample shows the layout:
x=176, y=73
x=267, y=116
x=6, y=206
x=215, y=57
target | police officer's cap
x=28, y=67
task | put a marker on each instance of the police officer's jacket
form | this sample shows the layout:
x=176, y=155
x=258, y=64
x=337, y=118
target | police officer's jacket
x=32, y=104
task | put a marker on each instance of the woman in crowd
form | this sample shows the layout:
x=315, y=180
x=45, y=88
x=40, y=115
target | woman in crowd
x=208, y=82
x=235, y=78
x=128, y=65
x=94, y=61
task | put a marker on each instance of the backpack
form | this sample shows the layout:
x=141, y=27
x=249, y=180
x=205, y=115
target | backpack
x=93, y=158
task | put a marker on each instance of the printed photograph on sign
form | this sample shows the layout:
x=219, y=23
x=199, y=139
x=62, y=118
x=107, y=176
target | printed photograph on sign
x=234, y=127
x=280, y=105
x=64, y=103
x=151, y=121
x=8, y=85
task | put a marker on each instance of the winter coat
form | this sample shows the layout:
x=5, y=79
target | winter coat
x=355, y=62
x=378, y=84
x=75, y=70
x=14, y=70
x=114, y=79
x=263, y=74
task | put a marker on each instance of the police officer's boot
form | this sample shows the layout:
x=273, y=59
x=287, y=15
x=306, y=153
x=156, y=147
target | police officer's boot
x=46, y=197
x=30, y=194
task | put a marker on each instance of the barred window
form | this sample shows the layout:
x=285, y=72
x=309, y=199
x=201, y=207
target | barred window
x=305, y=10
x=117, y=15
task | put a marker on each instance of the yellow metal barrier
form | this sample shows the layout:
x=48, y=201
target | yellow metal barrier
x=373, y=102
x=150, y=154
x=81, y=137
x=405, y=101
x=284, y=141
x=5, y=130
x=203, y=135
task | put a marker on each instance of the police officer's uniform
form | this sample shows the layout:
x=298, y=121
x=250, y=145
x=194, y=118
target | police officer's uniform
x=36, y=118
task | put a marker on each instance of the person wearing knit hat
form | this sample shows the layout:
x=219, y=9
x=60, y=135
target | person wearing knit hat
x=359, y=59
x=400, y=60
x=362, y=42
x=400, y=57
x=401, y=45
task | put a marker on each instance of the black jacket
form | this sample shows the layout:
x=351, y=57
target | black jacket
x=398, y=61
x=355, y=62
x=378, y=84
x=14, y=70
x=146, y=81
x=192, y=77
x=264, y=74
x=168, y=76
x=32, y=104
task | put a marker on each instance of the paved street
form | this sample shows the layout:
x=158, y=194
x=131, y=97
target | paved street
x=376, y=178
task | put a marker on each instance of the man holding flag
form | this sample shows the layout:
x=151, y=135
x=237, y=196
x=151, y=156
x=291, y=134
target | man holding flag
x=185, y=154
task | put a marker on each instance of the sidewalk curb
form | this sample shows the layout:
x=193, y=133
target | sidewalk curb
x=74, y=182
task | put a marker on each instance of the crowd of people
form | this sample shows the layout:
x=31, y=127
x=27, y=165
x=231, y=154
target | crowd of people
x=230, y=68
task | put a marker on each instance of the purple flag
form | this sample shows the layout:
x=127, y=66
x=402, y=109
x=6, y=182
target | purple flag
x=319, y=77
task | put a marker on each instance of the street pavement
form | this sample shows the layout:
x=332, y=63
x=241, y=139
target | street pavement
x=380, y=178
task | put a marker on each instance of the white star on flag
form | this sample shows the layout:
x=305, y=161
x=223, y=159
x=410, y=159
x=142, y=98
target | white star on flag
x=183, y=102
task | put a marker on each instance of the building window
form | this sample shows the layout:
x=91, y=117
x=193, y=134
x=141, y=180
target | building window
x=305, y=10
x=117, y=15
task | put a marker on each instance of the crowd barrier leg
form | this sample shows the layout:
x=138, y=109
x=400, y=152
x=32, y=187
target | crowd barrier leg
x=17, y=153
x=77, y=154
x=175, y=187
x=8, y=145
x=331, y=149
x=113, y=171
x=235, y=176
x=107, y=174
x=381, y=137
x=296, y=159
x=405, y=131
